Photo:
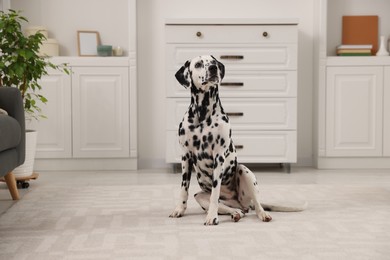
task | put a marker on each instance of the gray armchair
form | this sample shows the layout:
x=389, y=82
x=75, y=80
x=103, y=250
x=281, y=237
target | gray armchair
x=12, y=136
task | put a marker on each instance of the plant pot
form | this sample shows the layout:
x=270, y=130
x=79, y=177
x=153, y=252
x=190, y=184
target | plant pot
x=26, y=169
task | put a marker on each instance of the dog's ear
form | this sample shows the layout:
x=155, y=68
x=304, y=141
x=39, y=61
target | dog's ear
x=183, y=75
x=221, y=67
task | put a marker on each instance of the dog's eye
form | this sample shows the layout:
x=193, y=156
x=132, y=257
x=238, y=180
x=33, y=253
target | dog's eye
x=198, y=65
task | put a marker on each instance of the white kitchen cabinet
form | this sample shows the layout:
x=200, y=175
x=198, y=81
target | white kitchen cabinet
x=100, y=98
x=259, y=91
x=354, y=111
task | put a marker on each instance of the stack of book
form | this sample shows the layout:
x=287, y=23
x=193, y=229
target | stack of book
x=354, y=50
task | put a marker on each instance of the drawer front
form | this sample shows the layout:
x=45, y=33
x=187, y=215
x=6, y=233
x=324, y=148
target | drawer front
x=245, y=114
x=252, y=146
x=266, y=147
x=237, y=57
x=231, y=34
x=245, y=84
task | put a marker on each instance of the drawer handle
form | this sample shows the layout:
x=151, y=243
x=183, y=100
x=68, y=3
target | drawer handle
x=235, y=114
x=239, y=146
x=199, y=34
x=232, y=84
x=232, y=57
x=265, y=34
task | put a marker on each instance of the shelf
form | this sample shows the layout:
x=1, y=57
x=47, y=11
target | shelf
x=92, y=61
x=358, y=61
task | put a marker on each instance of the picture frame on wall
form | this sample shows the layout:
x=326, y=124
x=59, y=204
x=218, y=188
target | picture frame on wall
x=87, y=42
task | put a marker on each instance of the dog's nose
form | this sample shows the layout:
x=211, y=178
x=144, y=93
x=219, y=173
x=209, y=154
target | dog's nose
x=213, y=69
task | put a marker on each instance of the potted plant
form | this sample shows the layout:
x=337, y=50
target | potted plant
x=22, y=67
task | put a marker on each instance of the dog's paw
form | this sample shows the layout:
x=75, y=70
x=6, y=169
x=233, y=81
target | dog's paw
x=236, y=216
x=264, y=216
x=178, y=212
x=211, y=221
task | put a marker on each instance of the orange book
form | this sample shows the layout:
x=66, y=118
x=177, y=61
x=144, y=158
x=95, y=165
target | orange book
x=361, y=30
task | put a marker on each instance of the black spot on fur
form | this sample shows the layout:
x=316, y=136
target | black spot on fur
x=209, y=121
x=210, y=138
x=196, y=144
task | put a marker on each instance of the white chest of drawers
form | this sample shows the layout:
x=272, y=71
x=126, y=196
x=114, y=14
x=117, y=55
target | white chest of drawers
x=259, y=91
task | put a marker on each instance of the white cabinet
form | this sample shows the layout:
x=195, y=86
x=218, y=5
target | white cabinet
x=259, y=91
x=354, y=100
x=386, y=113
x=352, y=93
x=90, y=119
x=54, y=133
x=92, y=113
x=100, y=106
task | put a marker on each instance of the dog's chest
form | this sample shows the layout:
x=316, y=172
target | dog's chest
x=200, y=139
x=203, y=142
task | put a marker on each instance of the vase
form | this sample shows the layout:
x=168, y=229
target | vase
x=382, y=48
x=26, y=169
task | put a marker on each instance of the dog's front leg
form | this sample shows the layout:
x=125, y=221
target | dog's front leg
x=185, y=185
x=212, y=214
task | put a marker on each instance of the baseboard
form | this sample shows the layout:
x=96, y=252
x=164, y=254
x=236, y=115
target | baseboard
x=353, y=163
x=104, y=164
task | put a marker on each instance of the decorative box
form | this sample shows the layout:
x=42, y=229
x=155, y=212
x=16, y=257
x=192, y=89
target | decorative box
x=104, y=50
x=31, y=30
x=49, y=48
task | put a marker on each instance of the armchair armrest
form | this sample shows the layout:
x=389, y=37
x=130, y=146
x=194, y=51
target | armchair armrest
x=11, y=101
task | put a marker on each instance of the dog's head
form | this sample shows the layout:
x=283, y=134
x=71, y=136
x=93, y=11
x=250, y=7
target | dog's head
x=201, y=72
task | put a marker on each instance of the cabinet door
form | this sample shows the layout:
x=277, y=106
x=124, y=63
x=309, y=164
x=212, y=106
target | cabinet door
x=354, y=111
x=54, y=133
x=100, y=112
x=386, y=116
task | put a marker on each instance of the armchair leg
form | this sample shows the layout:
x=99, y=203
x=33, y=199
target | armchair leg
x=11, y=183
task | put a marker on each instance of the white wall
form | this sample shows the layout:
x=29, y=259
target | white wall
x=64, y=18
x=151, y=72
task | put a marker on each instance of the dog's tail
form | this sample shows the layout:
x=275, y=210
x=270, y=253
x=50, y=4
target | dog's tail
x=285, y=208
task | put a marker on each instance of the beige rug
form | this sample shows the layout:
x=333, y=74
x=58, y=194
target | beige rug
x=131, y=222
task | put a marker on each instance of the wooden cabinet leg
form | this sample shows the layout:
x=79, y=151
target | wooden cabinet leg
x=11, y=183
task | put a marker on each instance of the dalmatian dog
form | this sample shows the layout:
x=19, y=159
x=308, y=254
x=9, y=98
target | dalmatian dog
x=205, y=135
